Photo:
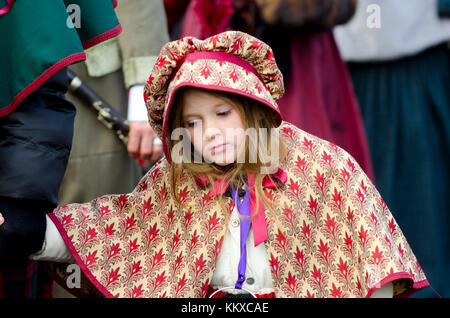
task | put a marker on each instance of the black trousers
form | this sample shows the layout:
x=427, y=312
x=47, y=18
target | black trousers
x=35, y=142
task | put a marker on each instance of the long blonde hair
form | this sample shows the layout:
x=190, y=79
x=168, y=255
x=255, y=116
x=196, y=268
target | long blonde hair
x=254, y=115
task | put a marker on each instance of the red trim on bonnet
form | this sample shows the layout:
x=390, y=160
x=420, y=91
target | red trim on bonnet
x=222, y=56
x=214, y=87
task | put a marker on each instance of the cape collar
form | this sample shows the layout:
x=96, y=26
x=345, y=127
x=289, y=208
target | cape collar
x=270, y=181
x=258, y=216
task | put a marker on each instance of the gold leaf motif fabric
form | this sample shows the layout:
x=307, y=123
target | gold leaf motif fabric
x=247, y=48
x=330, y=235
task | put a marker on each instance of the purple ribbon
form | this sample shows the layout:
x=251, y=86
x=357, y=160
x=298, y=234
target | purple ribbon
x=245, y=222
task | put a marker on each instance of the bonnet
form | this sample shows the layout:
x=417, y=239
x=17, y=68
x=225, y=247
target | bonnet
x=231, y=61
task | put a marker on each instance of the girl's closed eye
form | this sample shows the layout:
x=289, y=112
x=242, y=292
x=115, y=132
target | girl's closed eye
x=224, y=113
x=192, y=123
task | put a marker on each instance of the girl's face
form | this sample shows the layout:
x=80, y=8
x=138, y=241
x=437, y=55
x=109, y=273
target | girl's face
x=214, y=125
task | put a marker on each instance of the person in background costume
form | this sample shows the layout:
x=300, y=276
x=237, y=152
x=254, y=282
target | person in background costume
x=36, y=123
x=400, y=64
x=117, y=71
x=319, y=94
x=310, y=222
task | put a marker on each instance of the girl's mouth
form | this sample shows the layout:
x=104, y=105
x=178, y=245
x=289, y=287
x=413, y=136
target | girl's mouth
x=218, y=148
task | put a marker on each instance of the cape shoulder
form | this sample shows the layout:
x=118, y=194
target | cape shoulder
x=335, y=236
x=142, y=244
x=330, y=233
x=65, y=28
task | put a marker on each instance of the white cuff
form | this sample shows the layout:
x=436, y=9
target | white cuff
x=137, y=111
x=54, y=248
x=385, y=291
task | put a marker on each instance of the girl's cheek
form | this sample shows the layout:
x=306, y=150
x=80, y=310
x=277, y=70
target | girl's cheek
x=197, y=143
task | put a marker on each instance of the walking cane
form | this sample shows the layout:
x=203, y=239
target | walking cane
x=107, y=115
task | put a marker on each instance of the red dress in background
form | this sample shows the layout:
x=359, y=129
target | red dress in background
x=319, y=96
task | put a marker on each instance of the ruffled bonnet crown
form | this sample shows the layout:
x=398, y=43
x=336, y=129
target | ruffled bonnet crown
x=231, y=61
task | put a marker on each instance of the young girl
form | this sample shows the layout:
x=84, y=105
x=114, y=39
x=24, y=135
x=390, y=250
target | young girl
x=243, y=203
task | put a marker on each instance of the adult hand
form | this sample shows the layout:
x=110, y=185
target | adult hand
x=143, y=142
x=2, y=219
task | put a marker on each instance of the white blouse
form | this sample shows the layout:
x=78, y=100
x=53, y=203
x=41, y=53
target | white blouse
x=137, y=111
x=258, y=273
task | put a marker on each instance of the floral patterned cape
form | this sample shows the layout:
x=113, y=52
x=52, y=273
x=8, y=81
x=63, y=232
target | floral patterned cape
x=331, y=234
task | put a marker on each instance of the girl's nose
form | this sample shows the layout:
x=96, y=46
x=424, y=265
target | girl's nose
x=210, y=130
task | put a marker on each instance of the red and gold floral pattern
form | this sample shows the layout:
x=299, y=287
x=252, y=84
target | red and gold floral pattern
x=330, y=235
x=215, y=72
x=264, y=84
